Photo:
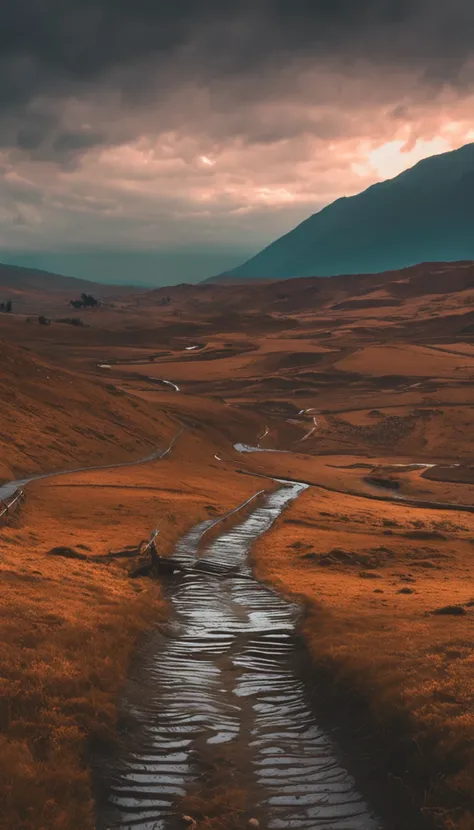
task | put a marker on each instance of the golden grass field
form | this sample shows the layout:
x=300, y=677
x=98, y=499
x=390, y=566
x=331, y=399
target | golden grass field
x=371, y=577
x=349, y=386
x=68, y=626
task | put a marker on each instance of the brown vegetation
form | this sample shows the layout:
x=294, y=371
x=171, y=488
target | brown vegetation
x=400, y=649
x=352, y=377
x=71, y=616
x=54, y=419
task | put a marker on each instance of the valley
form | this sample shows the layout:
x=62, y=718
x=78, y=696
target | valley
x=349, y=401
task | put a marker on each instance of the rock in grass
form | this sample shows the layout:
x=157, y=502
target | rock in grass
x=450, y=610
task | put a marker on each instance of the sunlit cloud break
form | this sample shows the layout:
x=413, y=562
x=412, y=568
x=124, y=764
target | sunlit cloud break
x=239, y=126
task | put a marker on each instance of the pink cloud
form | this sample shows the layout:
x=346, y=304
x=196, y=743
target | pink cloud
x=201, y=166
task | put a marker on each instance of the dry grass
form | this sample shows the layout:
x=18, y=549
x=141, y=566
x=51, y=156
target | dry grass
x=420, y=361
x=60, y=674
x=67, y=630
x=68, y=626
x=53, y=418
x=380, y=644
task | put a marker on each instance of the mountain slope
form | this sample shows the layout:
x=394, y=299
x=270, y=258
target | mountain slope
x=58, y=418
x=17, y=278
x=424, y=214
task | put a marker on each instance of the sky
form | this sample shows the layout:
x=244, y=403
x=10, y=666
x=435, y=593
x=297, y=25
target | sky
x=155, y=142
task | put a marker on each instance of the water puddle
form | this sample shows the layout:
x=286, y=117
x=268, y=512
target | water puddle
x=167, y=382
x=224, y=676
x=249, y=448
x=262, y=436
x=310, y=432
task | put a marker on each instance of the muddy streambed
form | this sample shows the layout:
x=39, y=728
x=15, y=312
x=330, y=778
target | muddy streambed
x=223, y=679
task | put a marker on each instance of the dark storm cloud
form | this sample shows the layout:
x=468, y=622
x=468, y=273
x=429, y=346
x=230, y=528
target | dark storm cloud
x=80, y=39
x=54, y=50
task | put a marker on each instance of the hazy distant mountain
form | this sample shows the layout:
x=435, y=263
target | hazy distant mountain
x=17, y=279
x=425, y=214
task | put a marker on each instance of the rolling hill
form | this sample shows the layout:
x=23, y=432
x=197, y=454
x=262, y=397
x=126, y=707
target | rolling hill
x=33, y=291
x=425, y=214
x=17, y=278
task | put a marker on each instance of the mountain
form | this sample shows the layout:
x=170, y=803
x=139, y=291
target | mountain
x=33, y=291
x=17, y=278
x=425, y=214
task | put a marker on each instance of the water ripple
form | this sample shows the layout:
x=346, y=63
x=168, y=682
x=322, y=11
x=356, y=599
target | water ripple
x=225, y=675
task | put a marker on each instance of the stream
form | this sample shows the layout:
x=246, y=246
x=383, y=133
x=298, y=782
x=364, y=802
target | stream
x=223, y=678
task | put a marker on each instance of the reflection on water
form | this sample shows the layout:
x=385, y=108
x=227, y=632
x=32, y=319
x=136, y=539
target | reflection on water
x=224, y=674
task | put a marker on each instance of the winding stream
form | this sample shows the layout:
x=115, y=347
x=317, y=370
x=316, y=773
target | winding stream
x=224, y=676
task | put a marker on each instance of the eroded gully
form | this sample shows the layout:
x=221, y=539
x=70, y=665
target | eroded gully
x=224, y=678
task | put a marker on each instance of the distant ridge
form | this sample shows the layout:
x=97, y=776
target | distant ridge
x=426, y=214
x=17, y=278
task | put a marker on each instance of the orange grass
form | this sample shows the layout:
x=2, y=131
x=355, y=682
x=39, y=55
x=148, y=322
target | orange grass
x=348, y=559
x=55, y=419
x=68, y=626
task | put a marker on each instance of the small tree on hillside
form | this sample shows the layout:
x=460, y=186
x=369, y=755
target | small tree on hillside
x=89, y=301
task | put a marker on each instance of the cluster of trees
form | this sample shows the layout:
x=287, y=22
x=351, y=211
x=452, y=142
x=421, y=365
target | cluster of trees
x=86, y=301
x=6, y=306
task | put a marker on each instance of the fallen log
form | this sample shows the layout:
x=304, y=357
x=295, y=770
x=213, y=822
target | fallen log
x=127, y=553
x=157, y=564
x=167, y=566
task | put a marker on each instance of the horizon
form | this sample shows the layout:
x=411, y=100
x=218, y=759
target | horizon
x=89, y=265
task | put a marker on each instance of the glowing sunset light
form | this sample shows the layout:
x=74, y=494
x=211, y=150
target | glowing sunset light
x=393, y=157
x=264, y=112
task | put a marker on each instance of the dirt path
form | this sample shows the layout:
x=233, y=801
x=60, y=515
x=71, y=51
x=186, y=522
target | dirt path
x=10, y=487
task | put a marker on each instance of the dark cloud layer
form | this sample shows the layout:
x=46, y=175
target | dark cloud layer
x=80, y=39
x=145, y=50
x=161, y=131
